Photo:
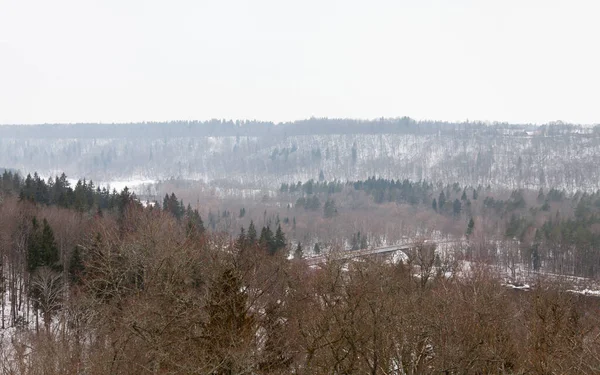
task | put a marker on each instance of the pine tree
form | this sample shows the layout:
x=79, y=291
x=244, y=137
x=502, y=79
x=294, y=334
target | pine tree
x=42, y=249
x=279, y=239
x=470, y=227
x=355, y=242
x=330, y=210
x=464, y=195
x=456, y=207
x=317, y=249
x=166, y=203
x=50, y=253
x=34, y=248
x=195, y=224
x=298, y=254
x=363, y=243
x=541, y=197
x=535, y=257
x=76, y=266
x=267, y=240
x=251, y=236
x=241, y=242
x=434, y=205
x=229, y=326
x=441, y=200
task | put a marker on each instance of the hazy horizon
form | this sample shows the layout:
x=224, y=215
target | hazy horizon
x=352, y=119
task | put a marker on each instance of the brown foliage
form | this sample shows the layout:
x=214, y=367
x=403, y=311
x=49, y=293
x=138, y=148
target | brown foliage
x=155, y=299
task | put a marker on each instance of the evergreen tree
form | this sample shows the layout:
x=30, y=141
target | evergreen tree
x=229, y=325
x=464, y=195
x=456, y=207
x=470, y=227
x=251, y=236
x=42, y=249
x=166, y=203
x=434, y=205
x=355, y=242
x=475, y=194
x=76, y=266
x=363, y=243
x=279, y=239
x=317, y=249
x=541, y=197
x=298, y=254
x=50, y=253
x=330, y=209
x=313, y=203
x=34, y=247
x=195, y=223
x=535, y=257
x=267, y=241
x=241, y=243
x=441, y=200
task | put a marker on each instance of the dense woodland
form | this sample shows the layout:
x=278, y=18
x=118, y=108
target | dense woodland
x=132, y=288
x=520, y=230
x=312, y=126
x=252, y=154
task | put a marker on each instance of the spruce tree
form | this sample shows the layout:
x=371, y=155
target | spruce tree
x=34, y=248
x=298, y=254
x=76, y=266
x=330, y=210
x=242, y=241
x=441, y=200
x=279, y=239
x=355, y=242
x=251, y=236
x=42, y=249
x=541, y=197
x=363, y=243
x=50, y=253
x=456, y=207
x=317, y=249
x=470, y=227
x=229, y=326
x=267, y=240
x=166, y=203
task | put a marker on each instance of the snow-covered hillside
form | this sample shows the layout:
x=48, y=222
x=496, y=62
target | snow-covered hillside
x=511, y=159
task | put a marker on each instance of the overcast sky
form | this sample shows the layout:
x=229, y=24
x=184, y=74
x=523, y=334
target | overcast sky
x=142, y=60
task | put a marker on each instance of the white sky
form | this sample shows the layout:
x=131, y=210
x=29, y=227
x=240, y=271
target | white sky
x=142, y=60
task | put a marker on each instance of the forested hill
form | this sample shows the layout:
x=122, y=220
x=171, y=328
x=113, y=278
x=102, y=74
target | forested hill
x=312, y=126
x=263, y=154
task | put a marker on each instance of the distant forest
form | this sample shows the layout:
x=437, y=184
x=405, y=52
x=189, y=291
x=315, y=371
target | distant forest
x=264, y=155
x=312, y=126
